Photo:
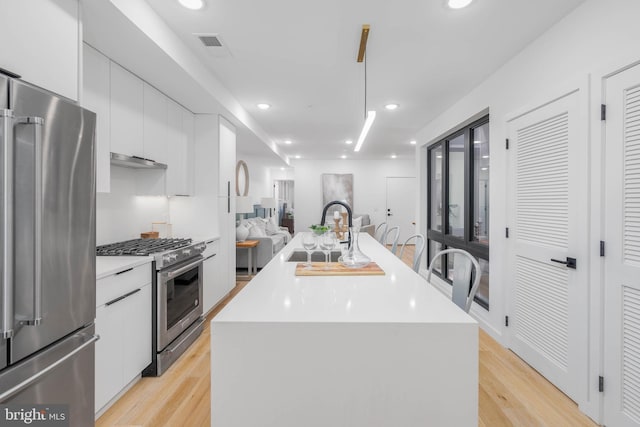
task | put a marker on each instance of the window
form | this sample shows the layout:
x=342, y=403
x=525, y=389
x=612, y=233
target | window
x=458, y=187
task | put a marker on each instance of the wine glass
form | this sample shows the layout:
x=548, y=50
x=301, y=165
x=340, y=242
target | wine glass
x=309, y=243
x=327, y=242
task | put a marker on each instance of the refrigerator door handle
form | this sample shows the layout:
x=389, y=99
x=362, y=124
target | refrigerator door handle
x=26, y=383
x=37, y=123
x=6, y=287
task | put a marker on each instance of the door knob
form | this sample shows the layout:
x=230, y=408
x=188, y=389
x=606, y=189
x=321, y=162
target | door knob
x=570, y=262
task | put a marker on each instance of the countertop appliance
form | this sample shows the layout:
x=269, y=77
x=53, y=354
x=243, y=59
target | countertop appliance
x=176, y=291
x=47, y=267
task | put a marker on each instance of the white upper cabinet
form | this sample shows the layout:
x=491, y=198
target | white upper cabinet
x=41, y=43
x=189, y=128
x=127, y=104
x=178, y=148
x=155, y=124
x=95, y=97
x=136, y=119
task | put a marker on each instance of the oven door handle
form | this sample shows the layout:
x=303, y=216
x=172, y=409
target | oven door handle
x=174, y=273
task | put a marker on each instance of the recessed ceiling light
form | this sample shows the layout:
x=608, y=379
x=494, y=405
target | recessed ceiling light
x=438, y=157
x=458, y=4
x=264, y=106
x=344, y=156
x=478, y=142
x=393, y=156
x=288, y=142
x=281, y=169
x=484, y=169
x=192, y=4
x=348, y=142
x=391, y=106
x=298, y=156
x=412, y=142
x=485, y=157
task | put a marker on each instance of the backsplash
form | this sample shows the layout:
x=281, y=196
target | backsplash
x=121, y=214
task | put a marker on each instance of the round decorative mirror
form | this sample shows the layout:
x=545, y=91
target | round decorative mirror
x=242, y=179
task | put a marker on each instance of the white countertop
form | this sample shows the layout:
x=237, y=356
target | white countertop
x=400, y=296
x=206, y=239
x=108, y=265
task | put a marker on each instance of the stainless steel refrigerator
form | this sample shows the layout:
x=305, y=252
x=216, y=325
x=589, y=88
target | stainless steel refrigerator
x=47, y=251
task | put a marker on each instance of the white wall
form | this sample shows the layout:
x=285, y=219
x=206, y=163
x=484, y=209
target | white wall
x=369, y=186
x=121, y=215
x=598, y=37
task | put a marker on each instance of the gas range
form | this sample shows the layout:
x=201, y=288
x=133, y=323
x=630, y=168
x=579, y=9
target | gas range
x=166, y=252
x=176, y=292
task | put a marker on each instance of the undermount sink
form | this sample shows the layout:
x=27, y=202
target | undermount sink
x=301, y=256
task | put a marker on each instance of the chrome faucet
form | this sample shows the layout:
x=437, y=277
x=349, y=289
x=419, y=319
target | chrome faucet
x=349, y=215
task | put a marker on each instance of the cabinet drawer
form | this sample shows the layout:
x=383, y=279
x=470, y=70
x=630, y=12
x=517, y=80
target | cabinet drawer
x=213, y=247
x=114, y=286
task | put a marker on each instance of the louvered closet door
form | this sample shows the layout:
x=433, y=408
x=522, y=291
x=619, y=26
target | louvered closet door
x=548, y=220
x=622, y=261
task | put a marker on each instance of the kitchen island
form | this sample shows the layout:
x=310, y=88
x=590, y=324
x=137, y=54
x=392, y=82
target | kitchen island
x=391, y=350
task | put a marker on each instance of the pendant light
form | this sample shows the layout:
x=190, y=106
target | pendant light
x=369, y=116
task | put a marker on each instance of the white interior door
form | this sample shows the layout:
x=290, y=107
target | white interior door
x=548, y=201
x=622, y=261
x=401, y=205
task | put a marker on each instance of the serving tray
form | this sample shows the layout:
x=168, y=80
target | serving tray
x=337, y=269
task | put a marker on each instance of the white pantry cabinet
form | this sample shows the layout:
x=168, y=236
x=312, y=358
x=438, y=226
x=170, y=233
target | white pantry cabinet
x=127, y=103
x=41, y=42
x=96, y=97
x=123, y=322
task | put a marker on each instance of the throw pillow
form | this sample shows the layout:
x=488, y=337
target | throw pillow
x=256, y=231
x=271, y=229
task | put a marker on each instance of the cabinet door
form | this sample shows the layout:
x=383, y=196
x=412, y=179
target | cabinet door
x=226, y=157
x=41, y=43
x=136, y=333
x=155, y=124
x=109, y=355
x=176, y=147
x=95, y=97
x=214, y=285
x=126, y=112
x=188, y=127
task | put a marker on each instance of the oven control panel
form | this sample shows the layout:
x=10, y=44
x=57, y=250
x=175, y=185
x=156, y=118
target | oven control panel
x=176, y=256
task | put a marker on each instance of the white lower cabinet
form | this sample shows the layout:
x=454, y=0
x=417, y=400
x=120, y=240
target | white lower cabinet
x=214, y=287
x=123, y=322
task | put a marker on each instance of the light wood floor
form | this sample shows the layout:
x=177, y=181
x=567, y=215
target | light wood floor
x=510, y=392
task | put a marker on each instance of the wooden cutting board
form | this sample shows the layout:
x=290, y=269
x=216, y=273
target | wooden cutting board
x=337, y=269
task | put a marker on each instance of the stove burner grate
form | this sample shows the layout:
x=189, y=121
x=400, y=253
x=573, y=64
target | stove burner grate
x=141, y=247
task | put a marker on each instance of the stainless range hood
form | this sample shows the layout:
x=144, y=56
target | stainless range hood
x=135, y=162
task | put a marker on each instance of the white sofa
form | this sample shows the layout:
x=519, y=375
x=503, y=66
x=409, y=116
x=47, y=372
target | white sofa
x=271, y=237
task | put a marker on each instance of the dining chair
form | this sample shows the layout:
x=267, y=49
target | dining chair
x=394, y=233
x=381, y=232
x=462, y=263
x=417, y=252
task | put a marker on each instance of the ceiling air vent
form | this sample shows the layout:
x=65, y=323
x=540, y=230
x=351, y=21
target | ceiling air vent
x=215, y=45
x=210, y=40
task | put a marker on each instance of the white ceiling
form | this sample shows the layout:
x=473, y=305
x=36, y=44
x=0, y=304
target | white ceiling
x=300, y=58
